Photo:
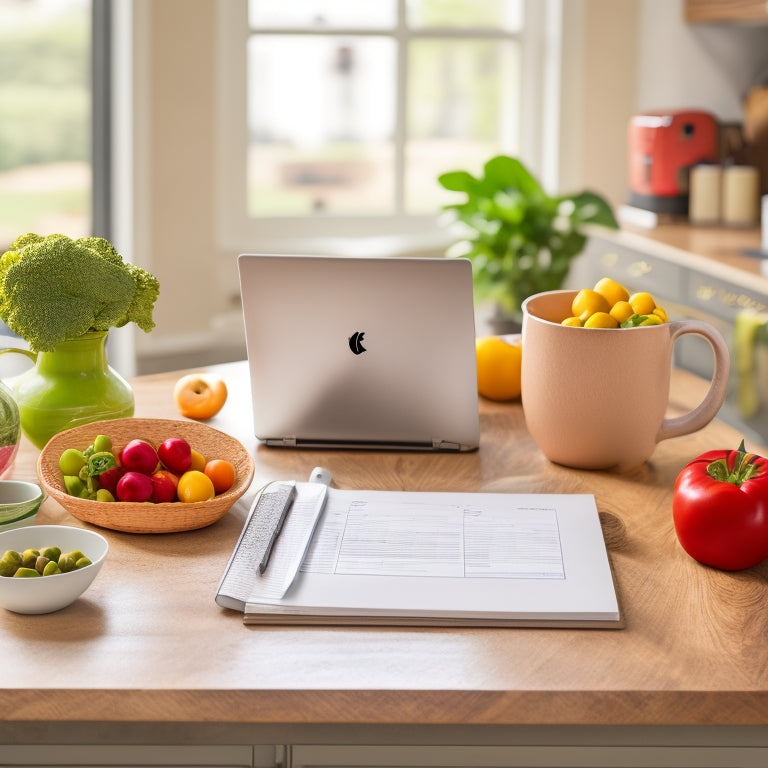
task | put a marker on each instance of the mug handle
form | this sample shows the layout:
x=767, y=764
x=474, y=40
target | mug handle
x=707, y=409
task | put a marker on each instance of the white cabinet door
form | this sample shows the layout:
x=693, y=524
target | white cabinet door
x=134, y=756
x=322, y=756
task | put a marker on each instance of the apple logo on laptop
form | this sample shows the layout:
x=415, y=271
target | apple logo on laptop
x=356, y=342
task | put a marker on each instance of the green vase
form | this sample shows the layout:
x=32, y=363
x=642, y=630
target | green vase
x=69, y=386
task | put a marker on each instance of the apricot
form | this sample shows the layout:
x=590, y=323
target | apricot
x=199, y=396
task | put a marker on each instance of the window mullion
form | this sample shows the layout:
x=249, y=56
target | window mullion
x=401, y=107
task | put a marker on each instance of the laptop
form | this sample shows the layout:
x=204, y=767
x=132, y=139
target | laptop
x=361, y=352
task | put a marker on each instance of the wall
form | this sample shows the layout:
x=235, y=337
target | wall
x=618, y=58
x=173, y=114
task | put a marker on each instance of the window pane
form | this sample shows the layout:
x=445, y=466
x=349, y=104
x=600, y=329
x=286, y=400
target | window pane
x=321, y=121
x=463, y=107
x=45, y=102
x=309, y=14
x=467, y=14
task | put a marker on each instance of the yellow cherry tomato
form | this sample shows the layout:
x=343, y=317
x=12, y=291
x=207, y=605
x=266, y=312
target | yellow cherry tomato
x=661, y=313
x=574, y=321
x=195, y=486
x=601, y=320
x=611, y=290
x=588, y=301
x=642, y=303
x=198, y=461
x=498, y=366
x=621, y=310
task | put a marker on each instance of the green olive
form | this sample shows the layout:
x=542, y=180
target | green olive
x=67, y=563
x=70, y=461
x=52, y=553
x=102, y=443
x=51, y=568
x=28, y=557
x=74, y=485
x=82, y=562
x=9, y=562
x=40, y=564
x=25, y=573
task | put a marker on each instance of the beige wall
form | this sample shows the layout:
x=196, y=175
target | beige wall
x=174, y=98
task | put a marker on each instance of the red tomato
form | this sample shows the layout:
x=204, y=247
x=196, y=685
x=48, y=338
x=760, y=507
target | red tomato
x=720, y=509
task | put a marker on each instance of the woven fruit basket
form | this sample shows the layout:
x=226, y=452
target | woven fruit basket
x=146, y=517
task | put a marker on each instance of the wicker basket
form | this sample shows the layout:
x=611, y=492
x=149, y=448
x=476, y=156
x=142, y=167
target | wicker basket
x=146, y=517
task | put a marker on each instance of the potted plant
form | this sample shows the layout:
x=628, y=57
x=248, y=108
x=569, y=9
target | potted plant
x=62, y=296
x=520, y=240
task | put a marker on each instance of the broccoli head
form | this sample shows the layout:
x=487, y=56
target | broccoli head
x=53, y=288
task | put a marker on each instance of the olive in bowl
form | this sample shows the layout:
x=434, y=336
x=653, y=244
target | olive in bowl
x=78, y=554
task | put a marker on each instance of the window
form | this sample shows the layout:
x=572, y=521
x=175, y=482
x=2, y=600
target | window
x=45, y=118
x=338, y=116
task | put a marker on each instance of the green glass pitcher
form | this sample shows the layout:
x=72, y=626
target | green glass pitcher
x=71, y=385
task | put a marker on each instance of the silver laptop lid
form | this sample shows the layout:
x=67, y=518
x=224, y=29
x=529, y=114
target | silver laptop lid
x=361, y=352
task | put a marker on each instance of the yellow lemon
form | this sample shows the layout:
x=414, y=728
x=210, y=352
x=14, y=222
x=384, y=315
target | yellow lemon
x=611, y=290
x=498, y=366
x=642, y=303
x=198, y=461
x=621, y=310
x=601, y=320
x=587, y=302
x=195, y=486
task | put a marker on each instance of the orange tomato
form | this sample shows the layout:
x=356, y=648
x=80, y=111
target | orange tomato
x=199, y=396
x=222, y=474
x=195, y=486
x=499, y=366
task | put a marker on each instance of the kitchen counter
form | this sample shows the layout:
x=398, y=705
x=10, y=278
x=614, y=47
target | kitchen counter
x=716, y=251
x=147, y=656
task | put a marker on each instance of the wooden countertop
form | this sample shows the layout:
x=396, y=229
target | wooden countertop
x=717, y=251
x=147, y=643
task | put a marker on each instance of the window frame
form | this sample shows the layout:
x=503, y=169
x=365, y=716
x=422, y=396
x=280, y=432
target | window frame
x=362, y=235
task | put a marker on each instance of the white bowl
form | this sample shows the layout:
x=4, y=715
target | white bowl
x=19, y=522
x=18, y=499
x=50, y=593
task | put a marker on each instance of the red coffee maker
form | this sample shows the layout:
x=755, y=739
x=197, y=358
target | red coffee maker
x=663, y=146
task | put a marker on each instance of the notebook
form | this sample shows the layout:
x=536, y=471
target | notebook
x=361, y=352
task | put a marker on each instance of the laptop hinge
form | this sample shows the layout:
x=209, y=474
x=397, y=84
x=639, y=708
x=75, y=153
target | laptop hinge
x=445, y=445
x=283, y=442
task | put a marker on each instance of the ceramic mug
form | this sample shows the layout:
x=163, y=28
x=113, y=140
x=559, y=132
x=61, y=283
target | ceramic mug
x=596, y=398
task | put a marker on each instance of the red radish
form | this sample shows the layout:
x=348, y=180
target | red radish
x=109, y=478
x=163, y=486
x=139, y=456
x=134, y=486
x=176, y=455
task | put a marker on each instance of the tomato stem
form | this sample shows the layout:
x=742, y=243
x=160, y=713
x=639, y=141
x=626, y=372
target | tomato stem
x=742, y=469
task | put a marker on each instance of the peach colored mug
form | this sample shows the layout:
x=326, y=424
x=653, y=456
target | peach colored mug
x=596, y=398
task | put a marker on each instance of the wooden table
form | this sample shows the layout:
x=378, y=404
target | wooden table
x=146, y=654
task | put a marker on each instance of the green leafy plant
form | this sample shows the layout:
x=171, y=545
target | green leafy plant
x=521, y=241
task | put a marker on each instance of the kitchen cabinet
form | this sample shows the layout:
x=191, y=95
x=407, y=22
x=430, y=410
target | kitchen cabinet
x=702, y=11
x=141, y=756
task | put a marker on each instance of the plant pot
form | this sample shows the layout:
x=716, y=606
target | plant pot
x=69, y=386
